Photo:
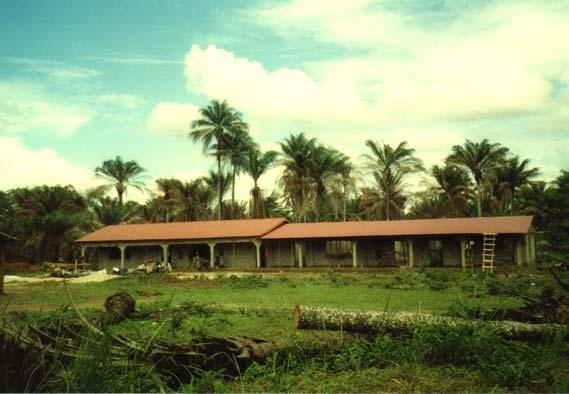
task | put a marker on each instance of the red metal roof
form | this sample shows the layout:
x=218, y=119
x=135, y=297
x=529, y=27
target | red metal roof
x=249, y=228
x=500, y=225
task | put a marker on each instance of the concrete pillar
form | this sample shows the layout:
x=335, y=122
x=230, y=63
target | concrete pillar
x=410, y=245
x=164, y=253
x=355, y=253
x=258, y=244
x=532, y=257
x=211, y=255
x=300, y=247
x=83, y=247
x=528, y=253
x=519, y=253
x=122, y=248
x=463, y=253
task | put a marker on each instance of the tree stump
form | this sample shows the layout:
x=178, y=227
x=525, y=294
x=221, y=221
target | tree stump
x=119, y=306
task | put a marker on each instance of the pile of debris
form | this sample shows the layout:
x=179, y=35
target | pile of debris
x=29, y=349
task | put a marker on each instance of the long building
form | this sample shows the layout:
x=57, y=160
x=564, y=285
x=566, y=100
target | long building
x=274, y=243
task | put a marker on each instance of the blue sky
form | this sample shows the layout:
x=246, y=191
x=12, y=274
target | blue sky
x=81, y=82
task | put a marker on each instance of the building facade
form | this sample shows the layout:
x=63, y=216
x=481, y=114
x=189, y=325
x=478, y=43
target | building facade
x=273, y=243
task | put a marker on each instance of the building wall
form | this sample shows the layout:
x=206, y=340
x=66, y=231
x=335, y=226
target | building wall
x=109, y=257
x=237, y=255
x=280, y=254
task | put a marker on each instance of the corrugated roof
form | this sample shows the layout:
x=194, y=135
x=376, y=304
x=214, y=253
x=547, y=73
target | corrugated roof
x=500, y=225
x=249, y=228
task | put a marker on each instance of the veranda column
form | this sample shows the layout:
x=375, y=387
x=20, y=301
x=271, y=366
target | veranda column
x=164, y=253
x=211, y=255
x=528, y=253
x=519, y=253
x=299, y=246
x=532, y=258
x=122, y=248
x=83, y=247
x=355, y=254
x=410, y=244
x=257, y=244
x=463, y=253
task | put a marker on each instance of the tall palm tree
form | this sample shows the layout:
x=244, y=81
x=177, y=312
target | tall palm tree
x=216, y=121
x=238, y=143
x=217, y=182
x=256, y=164
x=121, y=175
x=386, y=164
x=296, y=153
x=169, y=187
x=327, y=170
x=512, y=175
x=481, y=159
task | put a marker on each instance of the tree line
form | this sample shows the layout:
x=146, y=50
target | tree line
x=316, y=183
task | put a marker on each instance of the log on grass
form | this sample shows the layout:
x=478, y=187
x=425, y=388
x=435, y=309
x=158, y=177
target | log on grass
x=405, y=322
x=119, y=306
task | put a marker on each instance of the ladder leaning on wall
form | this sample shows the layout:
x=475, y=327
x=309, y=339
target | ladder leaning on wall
x=488, y=247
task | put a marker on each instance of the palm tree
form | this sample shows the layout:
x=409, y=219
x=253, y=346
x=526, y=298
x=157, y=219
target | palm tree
x=296, y=153
x=107, y=211
x=48, y=216
x=453, y=185
x=386, y=164
x=170, y=188
x=256, y=164
x=328, y=169
x=512, y=175
x=238, y=143
x=121, y=175
x=429, y=206
x=482, y=159
x=193, y=200
x=217, y=182
x=388, y=190
x=217, y=120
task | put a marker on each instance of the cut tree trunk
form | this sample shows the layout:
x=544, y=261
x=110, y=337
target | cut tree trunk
x=405, y=322
x=119, y=306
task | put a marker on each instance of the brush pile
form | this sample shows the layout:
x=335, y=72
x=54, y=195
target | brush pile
x=32, y=358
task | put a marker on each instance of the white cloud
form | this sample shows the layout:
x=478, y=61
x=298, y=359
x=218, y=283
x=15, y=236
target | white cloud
x=127, y=101
x=25, y=106
x=53, y=69
x=21, y=166
x=172, y=118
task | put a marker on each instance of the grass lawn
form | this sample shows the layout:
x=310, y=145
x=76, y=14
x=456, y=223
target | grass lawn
x=262, y=306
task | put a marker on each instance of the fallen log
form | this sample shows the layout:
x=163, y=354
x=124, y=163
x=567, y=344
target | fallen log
x=313, y=318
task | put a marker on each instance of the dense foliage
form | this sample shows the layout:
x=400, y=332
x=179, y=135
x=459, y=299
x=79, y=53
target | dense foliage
x=315, y=183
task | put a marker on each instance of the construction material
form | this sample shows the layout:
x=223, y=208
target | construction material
x=488, y=254
x=405, y=322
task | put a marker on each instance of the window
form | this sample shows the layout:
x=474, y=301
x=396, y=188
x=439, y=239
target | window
x=338, y=249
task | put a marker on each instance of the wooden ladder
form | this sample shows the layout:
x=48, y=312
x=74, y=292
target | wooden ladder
x=488, y=247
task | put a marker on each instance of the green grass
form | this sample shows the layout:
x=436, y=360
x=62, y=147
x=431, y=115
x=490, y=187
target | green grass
x=262, y=306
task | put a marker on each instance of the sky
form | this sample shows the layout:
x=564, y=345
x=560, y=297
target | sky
x=84, y=81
